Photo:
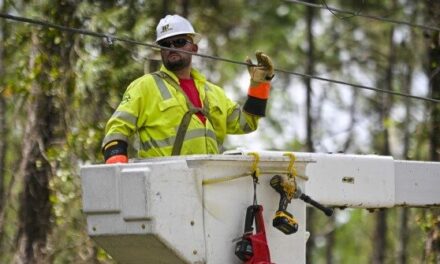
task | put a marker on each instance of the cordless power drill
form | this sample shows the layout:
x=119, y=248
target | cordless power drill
x=283, y=220
x=288, y=189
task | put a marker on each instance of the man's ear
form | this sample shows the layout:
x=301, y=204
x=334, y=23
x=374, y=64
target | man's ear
x=195, y=48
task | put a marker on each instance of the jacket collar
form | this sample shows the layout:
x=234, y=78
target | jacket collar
x=195, y=74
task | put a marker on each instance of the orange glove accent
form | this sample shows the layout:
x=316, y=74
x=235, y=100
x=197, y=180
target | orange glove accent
x=117, y=159
x=260, y=90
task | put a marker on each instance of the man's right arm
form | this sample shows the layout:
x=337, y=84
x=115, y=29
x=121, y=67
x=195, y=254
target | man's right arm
x=120, y=127
x=118, y=130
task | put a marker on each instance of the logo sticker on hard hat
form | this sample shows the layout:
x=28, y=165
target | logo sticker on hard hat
x=166, y=28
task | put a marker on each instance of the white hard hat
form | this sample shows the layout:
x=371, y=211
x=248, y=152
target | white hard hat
x=173, y=25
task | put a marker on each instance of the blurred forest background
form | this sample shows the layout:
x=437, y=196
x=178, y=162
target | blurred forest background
x=58, y=89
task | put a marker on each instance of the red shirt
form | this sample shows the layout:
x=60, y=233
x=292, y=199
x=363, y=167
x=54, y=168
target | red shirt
x=189, y=87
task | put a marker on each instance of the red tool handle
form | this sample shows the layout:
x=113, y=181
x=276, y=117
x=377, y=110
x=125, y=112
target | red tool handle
x=261, y=254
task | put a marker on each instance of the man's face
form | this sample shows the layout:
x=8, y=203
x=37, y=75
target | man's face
x=174, y=60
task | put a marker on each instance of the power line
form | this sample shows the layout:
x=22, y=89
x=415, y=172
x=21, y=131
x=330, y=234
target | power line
x=75, y=30
x=110, y=38
x=362, y=86
x=346, y=17
x=352, y=13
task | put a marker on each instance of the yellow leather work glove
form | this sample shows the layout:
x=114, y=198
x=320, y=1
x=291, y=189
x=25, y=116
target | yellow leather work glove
x=264, y=71
x=259, y=88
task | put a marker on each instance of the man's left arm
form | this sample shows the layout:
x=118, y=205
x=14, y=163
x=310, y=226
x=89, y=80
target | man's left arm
x=245, y=120
x=259, y=89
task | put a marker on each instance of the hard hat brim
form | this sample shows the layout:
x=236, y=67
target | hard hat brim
x=195, y=36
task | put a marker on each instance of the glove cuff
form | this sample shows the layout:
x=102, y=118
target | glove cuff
x=113, y=148
x=255, y=106
x=259, y=90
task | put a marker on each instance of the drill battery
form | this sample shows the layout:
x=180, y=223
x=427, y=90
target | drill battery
x=285, y=222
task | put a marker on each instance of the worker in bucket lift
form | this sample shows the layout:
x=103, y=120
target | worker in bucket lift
x=176, y=111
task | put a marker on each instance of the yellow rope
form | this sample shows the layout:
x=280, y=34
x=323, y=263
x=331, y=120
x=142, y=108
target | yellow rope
x=223, y=179
x=255, y=168
x=291, y=169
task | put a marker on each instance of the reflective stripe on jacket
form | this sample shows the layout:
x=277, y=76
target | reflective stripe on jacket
x=154, y=106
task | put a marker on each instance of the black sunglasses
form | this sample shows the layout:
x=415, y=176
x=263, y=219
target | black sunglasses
x=176, y=43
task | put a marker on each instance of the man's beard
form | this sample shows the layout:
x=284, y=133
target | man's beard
x=177, y=65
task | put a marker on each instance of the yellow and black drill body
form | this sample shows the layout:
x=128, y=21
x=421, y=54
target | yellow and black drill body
x=283, y=220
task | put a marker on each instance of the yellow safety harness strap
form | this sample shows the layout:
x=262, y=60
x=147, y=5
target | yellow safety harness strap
x=186, y=120
x=181, y=131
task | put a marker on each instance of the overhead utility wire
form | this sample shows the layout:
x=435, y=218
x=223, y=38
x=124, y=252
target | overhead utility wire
x=356, y=13
x=110, y=39
x=346, y=17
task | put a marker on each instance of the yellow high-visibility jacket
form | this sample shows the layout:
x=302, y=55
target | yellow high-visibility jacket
x=154, y=106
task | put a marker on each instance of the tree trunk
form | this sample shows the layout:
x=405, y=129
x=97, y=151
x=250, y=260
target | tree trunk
x=379, y=240
x=3, y=127
x=310, y=64
x=403, y=213
x=310, y=213
x=434, y=77
x=185, y=4
x=50, y=61
x=154, y=65
x=351, y=131
x=407, y=132
x=35, y=207
x=402, y=244
x=4, y=131
x=330, y=240
x=380, y=245
x=432, y=245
